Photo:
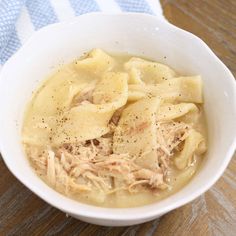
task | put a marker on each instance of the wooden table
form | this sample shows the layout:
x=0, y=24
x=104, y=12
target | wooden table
x=214, y=213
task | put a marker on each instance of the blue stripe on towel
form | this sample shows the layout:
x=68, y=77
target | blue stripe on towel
x=9, y=13
x=41, y=13
x=84, y=6
x=134, y=6
x=12, y=45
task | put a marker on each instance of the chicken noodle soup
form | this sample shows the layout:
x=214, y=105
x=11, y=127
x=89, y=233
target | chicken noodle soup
x=116, y=131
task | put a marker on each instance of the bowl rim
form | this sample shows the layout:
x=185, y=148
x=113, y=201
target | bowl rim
x=117, y=214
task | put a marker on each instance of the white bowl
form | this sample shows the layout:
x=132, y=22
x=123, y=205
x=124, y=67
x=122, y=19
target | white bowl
x=138, y=34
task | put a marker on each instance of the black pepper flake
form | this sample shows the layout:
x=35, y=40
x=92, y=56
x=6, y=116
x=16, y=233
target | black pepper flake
x=87, y=142
x=96, y=142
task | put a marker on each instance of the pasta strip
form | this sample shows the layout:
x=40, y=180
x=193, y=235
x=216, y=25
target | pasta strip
x=192, y=145
x=181, y=89
x=143, y=71
x=97, y=62
x=90, y=121
x=136, y=131
x=173, y=111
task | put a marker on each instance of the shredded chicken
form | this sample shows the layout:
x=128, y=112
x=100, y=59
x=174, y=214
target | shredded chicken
x=92, y=164
x=116, y=116
x=170, y=135
x=81, y=167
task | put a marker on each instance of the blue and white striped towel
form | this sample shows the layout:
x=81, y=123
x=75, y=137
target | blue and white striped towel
x=20, y=18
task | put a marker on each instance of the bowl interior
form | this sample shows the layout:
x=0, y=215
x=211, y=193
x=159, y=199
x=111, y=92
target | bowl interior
x=137, y=34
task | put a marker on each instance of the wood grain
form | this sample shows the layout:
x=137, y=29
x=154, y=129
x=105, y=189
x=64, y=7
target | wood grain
x=214, y=213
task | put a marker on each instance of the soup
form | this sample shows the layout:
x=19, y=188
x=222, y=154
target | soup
x=115, y=131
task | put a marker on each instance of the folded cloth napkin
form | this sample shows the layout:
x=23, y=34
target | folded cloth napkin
x=20, y=18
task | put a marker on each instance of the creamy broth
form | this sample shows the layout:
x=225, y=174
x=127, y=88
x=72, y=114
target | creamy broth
x=116, y=131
